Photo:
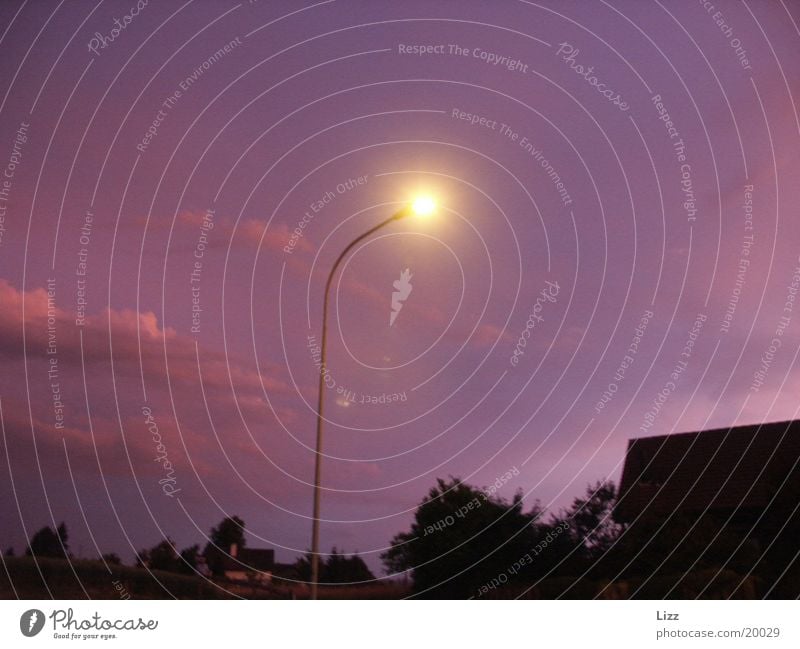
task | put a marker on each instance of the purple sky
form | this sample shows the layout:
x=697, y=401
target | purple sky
x=306, y=98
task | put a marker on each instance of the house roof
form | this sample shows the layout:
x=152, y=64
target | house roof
x=721, y=469
x=258, y=558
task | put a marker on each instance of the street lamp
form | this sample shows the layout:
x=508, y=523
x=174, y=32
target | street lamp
x=423, y=207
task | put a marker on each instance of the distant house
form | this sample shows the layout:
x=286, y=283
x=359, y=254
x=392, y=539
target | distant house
x=747, y=475
x=249, y=564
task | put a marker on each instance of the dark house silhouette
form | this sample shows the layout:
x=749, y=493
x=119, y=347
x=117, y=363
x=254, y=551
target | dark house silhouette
x=714, y=513
x=748, y=475
x=249, y=564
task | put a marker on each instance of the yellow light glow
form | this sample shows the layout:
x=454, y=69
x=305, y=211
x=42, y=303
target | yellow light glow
x=423, y=206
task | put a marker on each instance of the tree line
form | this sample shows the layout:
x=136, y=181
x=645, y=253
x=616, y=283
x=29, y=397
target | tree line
x=336, y=568
x=464, y=542
x=468, y=542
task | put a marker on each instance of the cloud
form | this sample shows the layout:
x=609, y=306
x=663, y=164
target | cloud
x=120, y=348
x=196, y=439
x=248, y=232
x=125, y=336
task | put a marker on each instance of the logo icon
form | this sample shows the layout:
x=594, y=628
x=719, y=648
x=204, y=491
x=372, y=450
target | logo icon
x=31, y=622
x=402, y=290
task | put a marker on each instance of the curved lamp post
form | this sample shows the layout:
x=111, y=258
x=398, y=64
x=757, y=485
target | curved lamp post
x=423, y=206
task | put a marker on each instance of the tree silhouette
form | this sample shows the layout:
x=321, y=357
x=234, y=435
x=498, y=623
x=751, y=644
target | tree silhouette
x=337, y=568
x=222, y=537
x=162, y=556
x=462, y=537
x=47, y=543
x=341, y=569
x=590, y=519
x=590, y=531
x=188, y=563
x=229, y=531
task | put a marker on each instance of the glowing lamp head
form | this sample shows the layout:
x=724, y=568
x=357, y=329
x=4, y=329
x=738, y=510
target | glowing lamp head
x=423, y=206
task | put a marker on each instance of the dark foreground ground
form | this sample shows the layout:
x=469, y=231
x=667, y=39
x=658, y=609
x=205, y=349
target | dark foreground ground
x=83, y=579
x=20, y=578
